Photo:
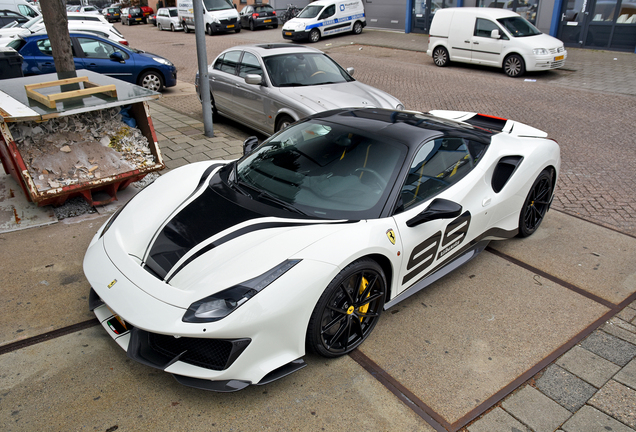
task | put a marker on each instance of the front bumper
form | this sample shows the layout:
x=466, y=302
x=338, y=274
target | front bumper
x=261, y=341
x=295, y=35
x=547, y=62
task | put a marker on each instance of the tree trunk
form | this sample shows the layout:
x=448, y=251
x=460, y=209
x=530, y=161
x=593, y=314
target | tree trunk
x=56, y=22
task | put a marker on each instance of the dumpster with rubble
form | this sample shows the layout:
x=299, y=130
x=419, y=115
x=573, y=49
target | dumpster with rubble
x=88, y=136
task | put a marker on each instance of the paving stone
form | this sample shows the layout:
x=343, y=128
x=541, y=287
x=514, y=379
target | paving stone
x=618, y=401
x=628, y=314
x=589, y=419
x=588, y=366
x=567, y=389
x=197, y=158
x=610, y=347
x=497, y=420
x=197, y=149
x=176, y=163
x=216, y=154
x=536, y=410
x=627, y=375
x=178, y=154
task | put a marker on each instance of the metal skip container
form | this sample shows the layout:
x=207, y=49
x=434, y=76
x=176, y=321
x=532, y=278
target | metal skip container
x=89, y=135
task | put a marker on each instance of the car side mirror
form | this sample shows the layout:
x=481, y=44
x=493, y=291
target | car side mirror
x=350, y=71
x=118, y=57
x=495, y=34
x=439, y=208
x=249, y=144
x=255, y=79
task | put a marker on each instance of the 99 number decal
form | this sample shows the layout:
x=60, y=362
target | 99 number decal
x=437, y=246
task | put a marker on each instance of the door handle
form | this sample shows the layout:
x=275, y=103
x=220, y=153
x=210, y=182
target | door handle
x=467, y=41
x=475, y=43
x=485, y=202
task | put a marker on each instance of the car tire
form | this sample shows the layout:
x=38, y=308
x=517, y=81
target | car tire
x=440, y=56
x=536, y=204
x=151, y=80
x=172, y=28
x=314, y=35
x=159, y=26
x=209, y=30
x=238, y=28
x=275, y=26
x=185, y=27
x=347, y=310
x=252, y=27
x=283, y=122
x=514, y=66
x=357, y=28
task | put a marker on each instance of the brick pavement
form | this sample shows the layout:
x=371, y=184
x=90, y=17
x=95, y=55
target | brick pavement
x=591, y=387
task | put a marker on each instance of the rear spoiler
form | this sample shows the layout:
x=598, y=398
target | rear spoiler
x=496, y=124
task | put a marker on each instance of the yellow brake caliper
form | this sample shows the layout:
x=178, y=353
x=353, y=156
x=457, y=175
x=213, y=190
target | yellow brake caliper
x=363, y=286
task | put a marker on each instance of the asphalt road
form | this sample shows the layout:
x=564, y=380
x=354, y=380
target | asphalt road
x=596, y=138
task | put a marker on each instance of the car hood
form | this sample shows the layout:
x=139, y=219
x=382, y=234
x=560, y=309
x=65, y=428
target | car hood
x=540, y=41
x=182, y=248
x=342, y=95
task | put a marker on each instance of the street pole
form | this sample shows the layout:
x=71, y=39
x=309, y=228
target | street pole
x=202, y=56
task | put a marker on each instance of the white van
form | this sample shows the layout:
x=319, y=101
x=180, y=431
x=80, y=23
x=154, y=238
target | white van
x=324, y=18
x=492, y=37
x=20, y=6
x=218, y=16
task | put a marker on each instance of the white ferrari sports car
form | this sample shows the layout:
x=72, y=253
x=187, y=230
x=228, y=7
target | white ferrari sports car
x=225, y=274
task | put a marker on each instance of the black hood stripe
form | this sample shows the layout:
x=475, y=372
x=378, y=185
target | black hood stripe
x=232, y=236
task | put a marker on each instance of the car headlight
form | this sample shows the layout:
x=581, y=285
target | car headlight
x=215, y=20
x=540, y=51
x=162, y=61
x=219, y=305
x=399, y=107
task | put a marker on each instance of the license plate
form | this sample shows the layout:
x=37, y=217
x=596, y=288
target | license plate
x=230, y=26
x=561, y=57
x=288, y=33
x=269, y=20
x=137, y=19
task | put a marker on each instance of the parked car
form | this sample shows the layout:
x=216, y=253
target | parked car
x=99, y=55
x=258, y=16
x=325, y=18
x=268, y=87
x=112, y=14
x=168, y=19
x=147, y=11
x=9, y=16
x=300, y=245
x=99, y=28
x=132, y=15
x=492, y=37
x=152, y=19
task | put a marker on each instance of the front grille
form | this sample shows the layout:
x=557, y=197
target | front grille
x=207, y=353
x=228, y=21
x=556, y=50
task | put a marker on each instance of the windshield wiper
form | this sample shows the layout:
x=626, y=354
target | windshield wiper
x=280, y=202
x=295, y=84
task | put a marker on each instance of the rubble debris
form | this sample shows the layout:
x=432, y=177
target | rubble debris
x=80, y=147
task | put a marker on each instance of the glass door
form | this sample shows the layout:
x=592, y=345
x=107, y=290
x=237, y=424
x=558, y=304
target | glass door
x=573, y=22
x=423, y=12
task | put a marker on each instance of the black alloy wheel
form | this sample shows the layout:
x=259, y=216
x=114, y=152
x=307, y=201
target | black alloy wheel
x=252, y=27
x=536, y=204
x=348, y=309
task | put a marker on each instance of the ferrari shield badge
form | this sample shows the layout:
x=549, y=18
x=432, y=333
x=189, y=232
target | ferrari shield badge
x=110, y=285
x=391, y=235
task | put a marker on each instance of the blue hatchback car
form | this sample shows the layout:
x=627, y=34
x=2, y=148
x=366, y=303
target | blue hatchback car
x=98, y=55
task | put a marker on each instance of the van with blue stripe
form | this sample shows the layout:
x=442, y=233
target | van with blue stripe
x=324, y=18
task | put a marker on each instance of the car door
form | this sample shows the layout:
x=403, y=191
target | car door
x=39, y=57
x=251, y=99
x=486, y=49
x=441, y=206
x=223, y=79
x=326, y=21
x=245, y=14
x=96, y=56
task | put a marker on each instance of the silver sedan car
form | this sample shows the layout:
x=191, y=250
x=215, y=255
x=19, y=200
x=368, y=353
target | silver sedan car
x=268, y=87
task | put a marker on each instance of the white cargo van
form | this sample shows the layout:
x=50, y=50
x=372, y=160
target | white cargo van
x=218, y=16
x=20, y=6
x=492, y=37
x=324, y=18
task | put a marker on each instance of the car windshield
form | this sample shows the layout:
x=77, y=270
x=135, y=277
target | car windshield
x=309, y=12
x=304, y=69
x=519, y=26
x=323, y=170
x=215, y=5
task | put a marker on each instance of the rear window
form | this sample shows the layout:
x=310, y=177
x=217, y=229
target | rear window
x=134, y=10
